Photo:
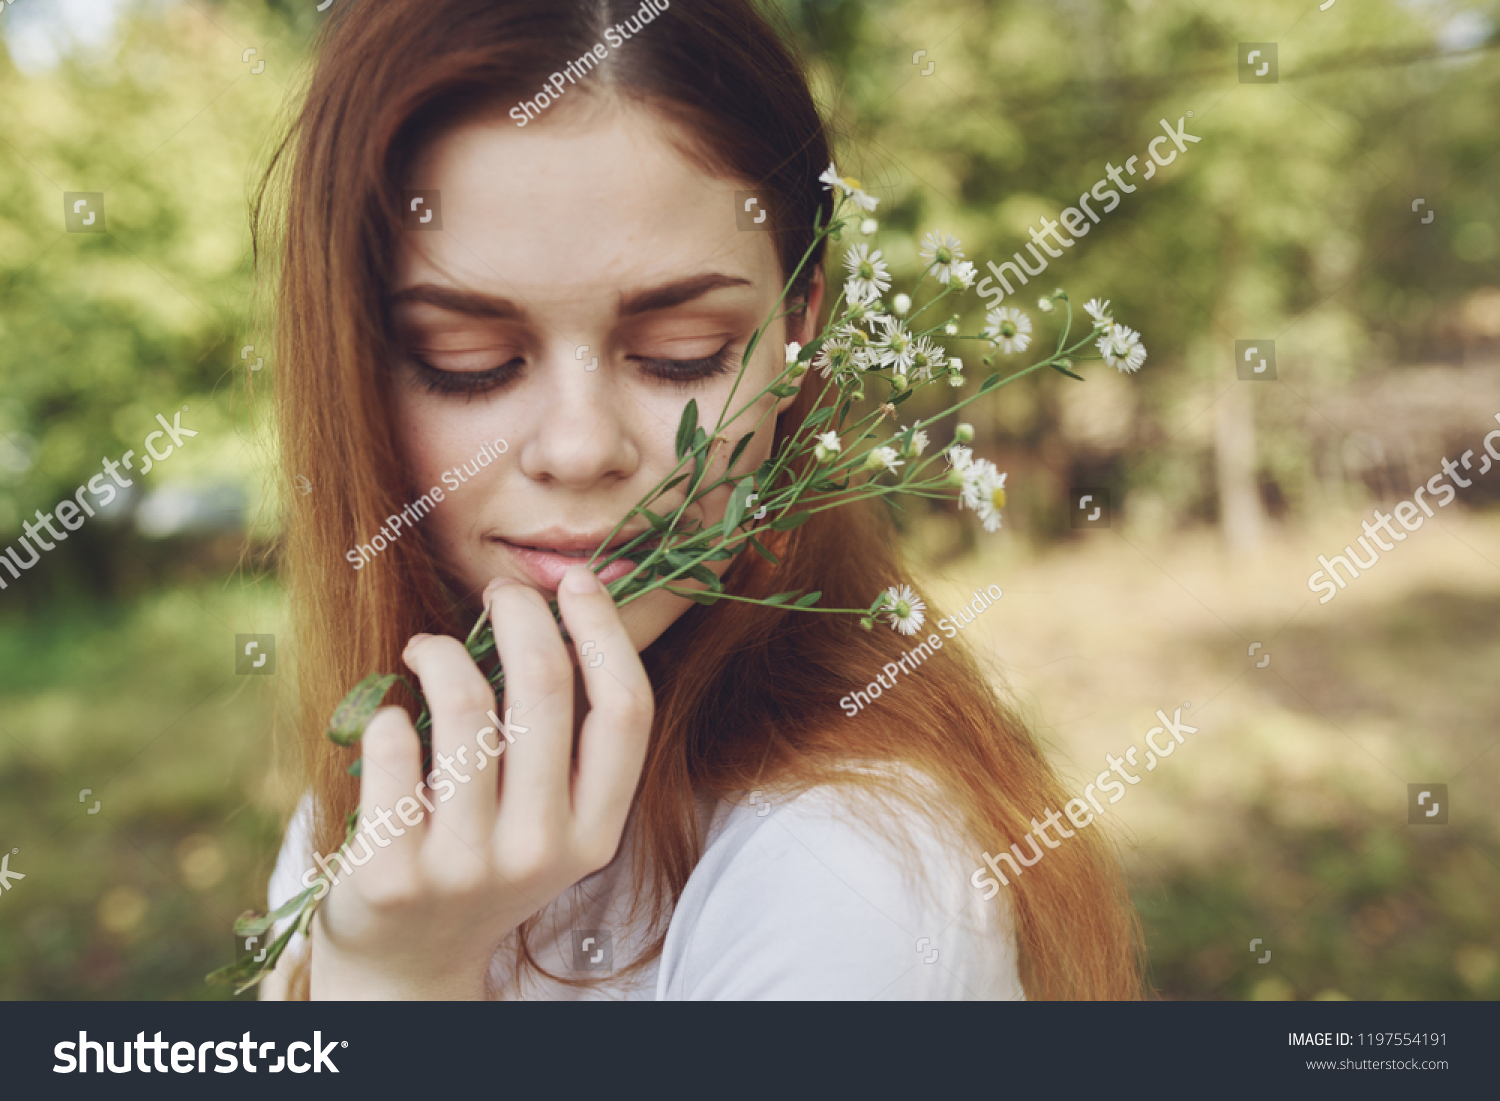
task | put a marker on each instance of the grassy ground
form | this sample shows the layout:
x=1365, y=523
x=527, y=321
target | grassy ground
x=1284, y=818
x=143, y=708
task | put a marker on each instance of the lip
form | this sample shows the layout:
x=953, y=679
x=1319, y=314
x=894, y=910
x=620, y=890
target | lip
x=547, y=555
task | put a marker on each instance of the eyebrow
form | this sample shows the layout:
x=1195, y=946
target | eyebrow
x=498, y=308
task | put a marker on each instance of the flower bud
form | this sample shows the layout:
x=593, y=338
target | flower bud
x=868, y=226
x=900, y=381
x=964, y=433
x=901, y=304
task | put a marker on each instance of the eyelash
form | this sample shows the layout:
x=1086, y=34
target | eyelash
x=683, y=372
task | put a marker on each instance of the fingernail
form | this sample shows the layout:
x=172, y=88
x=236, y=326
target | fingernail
x=496, y=585
x=581, y=579
x=417, y=638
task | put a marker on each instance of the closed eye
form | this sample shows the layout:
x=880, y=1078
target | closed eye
x=685, y=371
x=435, y=380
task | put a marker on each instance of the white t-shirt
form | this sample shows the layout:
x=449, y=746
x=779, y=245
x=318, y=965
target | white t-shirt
x=793, y=899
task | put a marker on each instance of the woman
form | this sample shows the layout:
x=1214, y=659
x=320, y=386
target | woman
x=520, y=236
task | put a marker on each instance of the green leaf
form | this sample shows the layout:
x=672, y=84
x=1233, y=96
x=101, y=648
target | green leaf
x=781, y=598
x=734, y=512
x=702, y=573
x=1065, y=371
x=245, y=973
x=899, y=398
x=739, y=449
x=818, y=416
x=252, y=924
x=991, y=382
x=673, y=482
x=760, y=549
x=687, y=426
x=356, y=769
x=790, y=521
x=660, y=523
x=701, y=598
x=750, y=348
x=806, y=601
x=785, y=390
x=348, y=723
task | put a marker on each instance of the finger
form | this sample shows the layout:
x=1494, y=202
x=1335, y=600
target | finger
x=390, y=770
x=539, y=696
x=612, y=743
x=458, y=698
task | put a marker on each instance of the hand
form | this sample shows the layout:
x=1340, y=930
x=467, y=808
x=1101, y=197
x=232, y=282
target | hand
x=424, y=915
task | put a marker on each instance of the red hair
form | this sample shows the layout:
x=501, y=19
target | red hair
x=746, y=696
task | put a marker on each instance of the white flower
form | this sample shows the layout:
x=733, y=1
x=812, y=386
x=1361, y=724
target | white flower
x=896, y=345
x=926, y=358
x=883, y=456
x=905, y=609
x=828, y=446
x=1121, y=348
x=955, y=364
x=951, y=328
x=975, y=473
x=833, y=355
x=944, y=250
x=1008, y=328
x=991, y=497
x=918, y=444
x=962, y=275
x=958, y=457
x=864, y=313
x=955, y=379
x=792, y=350
x=1044, y=304
x=831, y=179
x=1099, y=311
x=868, y=277
x=868, y=226
x=900, y=304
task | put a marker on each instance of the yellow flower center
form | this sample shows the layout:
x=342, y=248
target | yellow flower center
x=997, y=498
x=850, y=181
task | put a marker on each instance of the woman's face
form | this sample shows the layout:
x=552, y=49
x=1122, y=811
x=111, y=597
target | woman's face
x=587, y=282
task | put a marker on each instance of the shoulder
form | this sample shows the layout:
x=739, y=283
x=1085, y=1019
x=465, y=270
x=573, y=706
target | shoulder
x=836, y=894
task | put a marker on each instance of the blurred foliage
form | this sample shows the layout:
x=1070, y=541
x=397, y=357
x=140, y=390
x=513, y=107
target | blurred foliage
x=137, y=704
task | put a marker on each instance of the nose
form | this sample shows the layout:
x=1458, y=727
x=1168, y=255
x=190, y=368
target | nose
x=585, y=427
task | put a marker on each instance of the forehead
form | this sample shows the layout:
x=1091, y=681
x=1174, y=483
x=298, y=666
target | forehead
x=577, y=201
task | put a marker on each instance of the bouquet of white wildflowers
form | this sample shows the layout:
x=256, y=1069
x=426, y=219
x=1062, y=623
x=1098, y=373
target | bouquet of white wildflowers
x=868, y=350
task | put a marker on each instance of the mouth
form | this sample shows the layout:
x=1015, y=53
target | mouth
x=547, y=555
x=553, y=541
